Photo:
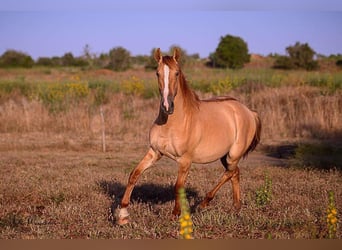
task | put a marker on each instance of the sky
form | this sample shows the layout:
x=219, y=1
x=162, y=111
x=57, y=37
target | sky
x=44, y=28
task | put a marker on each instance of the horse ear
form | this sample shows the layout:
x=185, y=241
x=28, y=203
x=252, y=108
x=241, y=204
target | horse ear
x=157, y=55
x=176, y=54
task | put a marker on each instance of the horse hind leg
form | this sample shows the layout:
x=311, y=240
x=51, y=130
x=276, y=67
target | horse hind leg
x=232, y=173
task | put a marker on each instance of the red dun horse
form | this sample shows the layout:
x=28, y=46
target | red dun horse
x=188, y=130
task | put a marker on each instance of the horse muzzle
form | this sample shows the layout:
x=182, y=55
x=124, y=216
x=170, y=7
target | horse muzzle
x=167, y=106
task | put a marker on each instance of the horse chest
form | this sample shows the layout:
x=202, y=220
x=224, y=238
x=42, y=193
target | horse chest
x=168, y=142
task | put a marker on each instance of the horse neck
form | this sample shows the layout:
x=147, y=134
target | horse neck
x=186, y=101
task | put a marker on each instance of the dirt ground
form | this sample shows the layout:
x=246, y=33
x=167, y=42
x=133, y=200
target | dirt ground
x=63, y=186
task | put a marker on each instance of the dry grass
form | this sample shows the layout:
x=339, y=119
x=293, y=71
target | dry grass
x=50, y=191
x=56, y=182
x=290, y=103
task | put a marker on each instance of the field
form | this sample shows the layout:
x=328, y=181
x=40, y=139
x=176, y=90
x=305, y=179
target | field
x=56, y=181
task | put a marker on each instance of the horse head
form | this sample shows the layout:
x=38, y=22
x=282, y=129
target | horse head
x=168, y=73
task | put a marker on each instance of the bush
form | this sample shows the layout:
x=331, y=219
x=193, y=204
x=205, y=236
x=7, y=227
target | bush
x=119, y=59
x=283, y=62
x=232, y=52
x=60, y=96
x=69, y=60
x=12, y=58
x=299, y=56
x=339, y=63
x=45, y=61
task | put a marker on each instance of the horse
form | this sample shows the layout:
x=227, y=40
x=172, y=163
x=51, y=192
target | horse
x=189, y=130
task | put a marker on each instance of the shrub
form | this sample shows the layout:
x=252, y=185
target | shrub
x=45, y=61
x=58, y=96
x=299, y=56
x=69, y=60
x=133, y=86
x=12, y=58
x=283, y=62
x=339, y=63
x=231, y=52
x=102, y=90
x=119, y=59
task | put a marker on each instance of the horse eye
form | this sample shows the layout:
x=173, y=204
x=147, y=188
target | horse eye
x=177, y=73
x=157, y=73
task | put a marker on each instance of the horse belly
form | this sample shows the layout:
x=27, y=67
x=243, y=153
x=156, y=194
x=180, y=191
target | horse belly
x=217, y=134
x=212, y=148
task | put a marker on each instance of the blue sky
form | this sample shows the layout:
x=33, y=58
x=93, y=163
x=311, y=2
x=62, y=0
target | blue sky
x=52, y=28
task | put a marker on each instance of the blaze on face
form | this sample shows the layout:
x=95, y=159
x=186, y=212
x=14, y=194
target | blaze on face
x=167, y=74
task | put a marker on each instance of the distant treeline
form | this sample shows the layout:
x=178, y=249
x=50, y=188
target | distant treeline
x=231, y=52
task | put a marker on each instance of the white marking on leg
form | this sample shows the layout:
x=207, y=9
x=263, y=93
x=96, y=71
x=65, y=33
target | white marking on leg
x=123, y=213
x=166, y=86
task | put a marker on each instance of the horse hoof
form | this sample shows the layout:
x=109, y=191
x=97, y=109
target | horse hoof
x=204, y=204
x=122, y=221
x=236, y=208
x=123, y=217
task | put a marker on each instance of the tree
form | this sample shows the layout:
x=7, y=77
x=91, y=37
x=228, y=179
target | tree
x=231, y=52
x=119, y=59
x=68, y=59
x=299, y=56
x=302, y=56
x=13, y=58
x=45, y=61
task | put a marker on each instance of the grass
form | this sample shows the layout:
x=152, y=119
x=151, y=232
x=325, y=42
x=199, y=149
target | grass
x=50, y=192
x=71, y=104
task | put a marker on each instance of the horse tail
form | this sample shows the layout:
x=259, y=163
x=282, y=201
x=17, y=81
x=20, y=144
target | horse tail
x=257, y=134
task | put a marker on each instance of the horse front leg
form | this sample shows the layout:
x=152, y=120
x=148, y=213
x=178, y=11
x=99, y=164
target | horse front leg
x=183, y=171
x=149, y=159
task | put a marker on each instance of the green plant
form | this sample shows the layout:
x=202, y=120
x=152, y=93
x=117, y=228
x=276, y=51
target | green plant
x=119, y=59
x=231, y=52
x=13, y=58
x=185, y=222
x=264, y=193
x=133, y=86
x=331, y=216
x=59, y=96
x=100, y=92
x=299, y=56
x=221, y=86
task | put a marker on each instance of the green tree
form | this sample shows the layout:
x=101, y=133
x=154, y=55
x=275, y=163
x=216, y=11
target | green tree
x=302, y=56
x=299, y=56
x=45, y=61
x=13, y=58
x=231, y=52
x=68, y=59
x=119, y=59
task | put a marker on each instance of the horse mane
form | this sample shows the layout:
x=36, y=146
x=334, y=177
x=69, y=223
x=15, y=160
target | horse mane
x=191, y=99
